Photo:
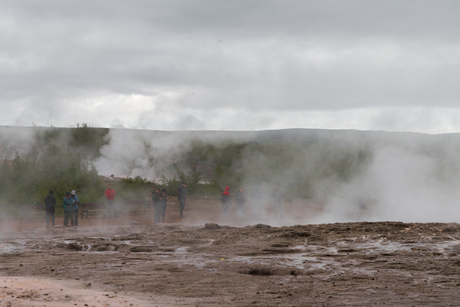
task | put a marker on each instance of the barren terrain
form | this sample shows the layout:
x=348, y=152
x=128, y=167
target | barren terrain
x=205, y=261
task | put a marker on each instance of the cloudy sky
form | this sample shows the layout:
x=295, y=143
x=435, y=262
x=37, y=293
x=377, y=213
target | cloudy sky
x=231, y=65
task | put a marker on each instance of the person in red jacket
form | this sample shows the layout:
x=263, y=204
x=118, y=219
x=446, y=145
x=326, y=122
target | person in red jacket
x=110, y=194
x=226, y=201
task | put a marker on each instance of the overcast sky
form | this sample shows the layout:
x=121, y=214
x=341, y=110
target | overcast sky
x=231, y=65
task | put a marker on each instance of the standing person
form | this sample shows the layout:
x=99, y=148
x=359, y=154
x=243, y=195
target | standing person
x=256, y=202
x=110, y=194
x=50, y=201
x=68, y=205
x=157, y=206
x=164, y=200
x=239, y=200
x=182, y=196
x=226, y=201
x=74, y=197
x=277, y=199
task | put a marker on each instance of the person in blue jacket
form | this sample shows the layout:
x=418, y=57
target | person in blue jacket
x=68, y=207
x=74, y=216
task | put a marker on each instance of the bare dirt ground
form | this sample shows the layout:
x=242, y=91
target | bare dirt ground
x=130, y=262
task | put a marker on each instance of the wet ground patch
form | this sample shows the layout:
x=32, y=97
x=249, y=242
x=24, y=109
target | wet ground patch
x=331, y=264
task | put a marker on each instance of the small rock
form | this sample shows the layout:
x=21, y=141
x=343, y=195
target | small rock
x=262, y=226
x=211, y=226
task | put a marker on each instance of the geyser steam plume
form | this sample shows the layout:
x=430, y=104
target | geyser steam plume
x=409, y=177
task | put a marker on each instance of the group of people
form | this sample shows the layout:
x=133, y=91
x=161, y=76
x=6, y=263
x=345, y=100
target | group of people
x=71, y=202
x=257, y=199
x=160, y=199
x=70, y=206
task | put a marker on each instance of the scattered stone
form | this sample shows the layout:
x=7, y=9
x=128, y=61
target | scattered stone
x=263, y=226
x=296, y=233
x=211, y=226
x=141, y=249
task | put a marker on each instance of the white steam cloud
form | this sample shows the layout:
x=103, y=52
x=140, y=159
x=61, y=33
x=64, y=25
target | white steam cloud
x=400, y=185
x=410, y=177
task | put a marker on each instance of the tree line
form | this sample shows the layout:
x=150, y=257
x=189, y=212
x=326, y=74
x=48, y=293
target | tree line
x=28, y=177
x=61, y=160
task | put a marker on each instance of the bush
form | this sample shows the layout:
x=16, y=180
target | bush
x=192, y=180
x=29, y=177
x=133, y=188
x=83, y=139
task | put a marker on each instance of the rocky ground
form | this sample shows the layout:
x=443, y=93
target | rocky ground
x=130, y=262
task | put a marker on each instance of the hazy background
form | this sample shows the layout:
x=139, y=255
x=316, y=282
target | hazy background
x=351, y=175
x=355, y=175
x=203, y=67
x=239, y=65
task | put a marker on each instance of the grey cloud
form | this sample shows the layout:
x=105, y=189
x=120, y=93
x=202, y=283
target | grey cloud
x=243, y=17
x=272, y=55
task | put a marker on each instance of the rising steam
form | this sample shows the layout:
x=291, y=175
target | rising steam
x=389, y=176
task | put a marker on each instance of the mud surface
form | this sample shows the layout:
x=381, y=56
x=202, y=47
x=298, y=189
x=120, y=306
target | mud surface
x=26, y=291
x=355, y=264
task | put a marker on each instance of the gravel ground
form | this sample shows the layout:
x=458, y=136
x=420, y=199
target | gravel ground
x=356, y=264
x=130, y=262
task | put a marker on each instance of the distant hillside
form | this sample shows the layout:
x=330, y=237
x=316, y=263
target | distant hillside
x=82, y=139
x=299, y=158
x=350, y=171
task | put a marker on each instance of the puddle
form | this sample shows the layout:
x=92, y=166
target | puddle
x=182, y=250
x=299, y=261
x=445, y=248
x=383, y=246
x=12, y=246
x=6, y=248
x=182, y=258
x=210, y=241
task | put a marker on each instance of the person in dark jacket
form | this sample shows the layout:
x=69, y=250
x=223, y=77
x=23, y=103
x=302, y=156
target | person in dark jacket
x=50, y=201
x=277, y=199
x=182, y=196
x=74, y=216
x=164, y=199
x=68, y=207
x=156, y=199
x=226, y=201
x=256, y=202
x=239, y=200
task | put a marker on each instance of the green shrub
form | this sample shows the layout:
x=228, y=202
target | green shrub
x=29, y=177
